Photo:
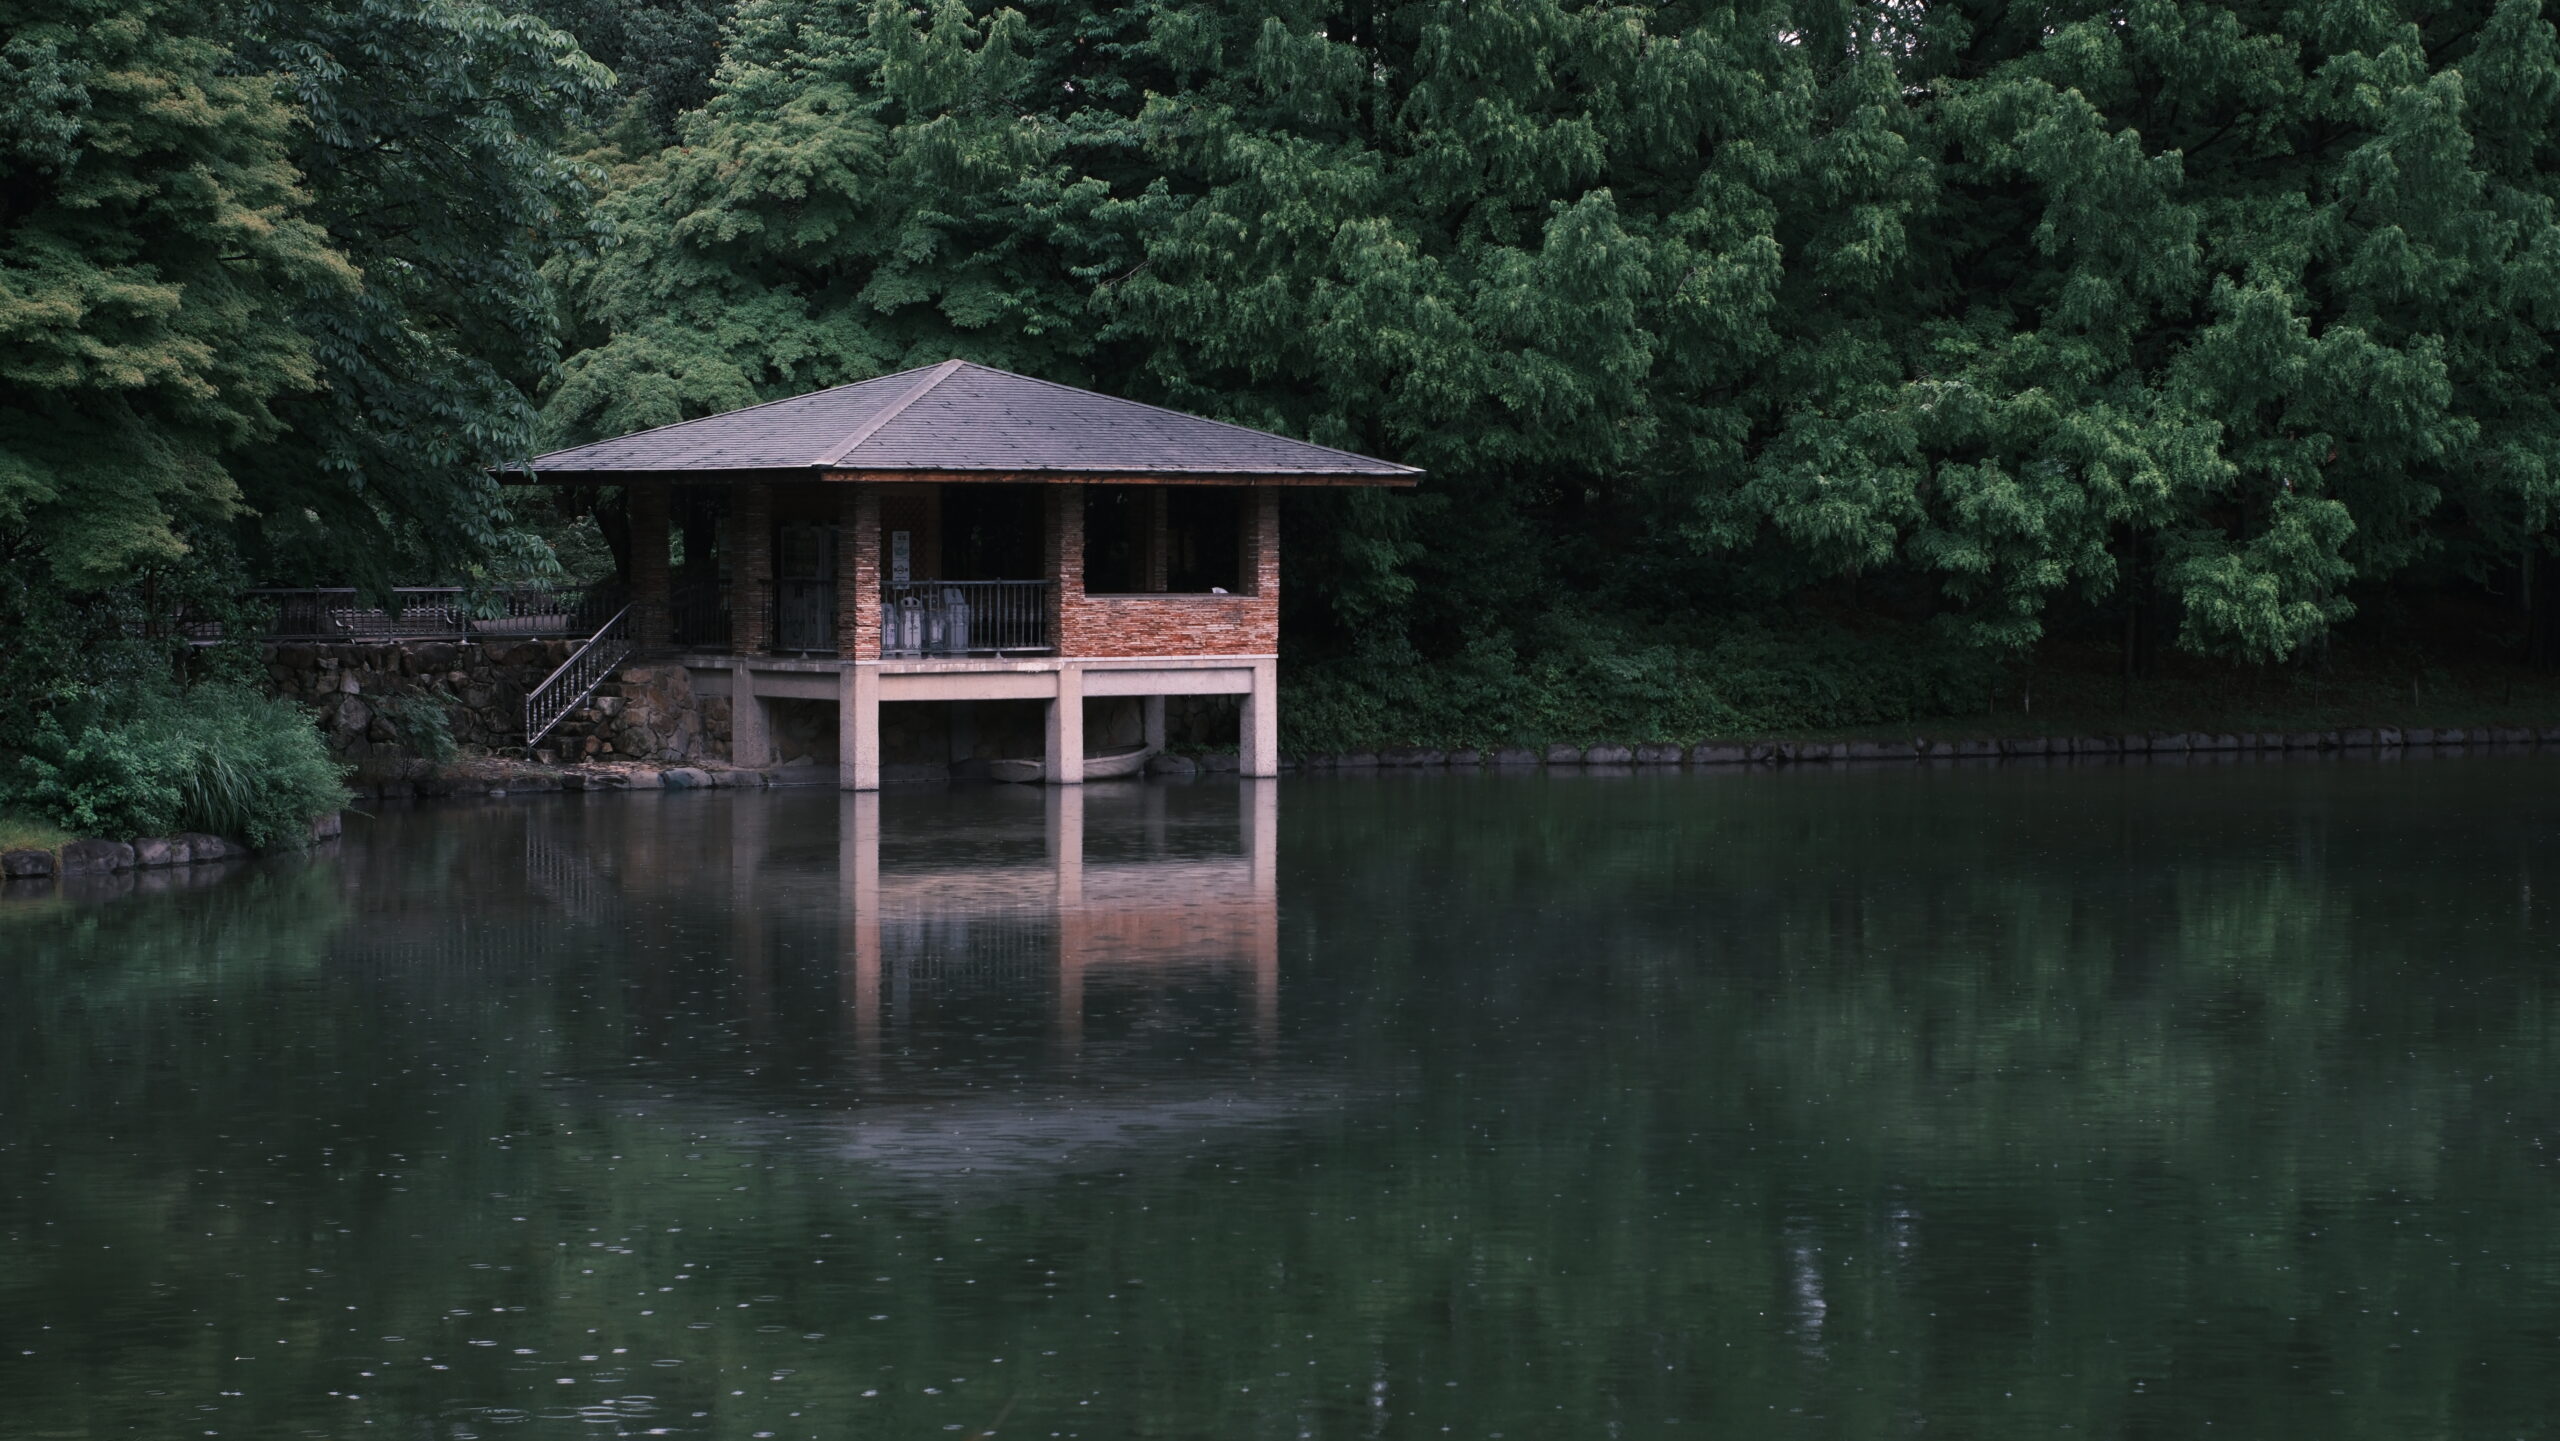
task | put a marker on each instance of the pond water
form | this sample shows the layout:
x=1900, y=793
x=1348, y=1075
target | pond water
x=2096, y=1101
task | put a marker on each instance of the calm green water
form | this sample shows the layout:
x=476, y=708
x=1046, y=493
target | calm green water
x=2138, y=1102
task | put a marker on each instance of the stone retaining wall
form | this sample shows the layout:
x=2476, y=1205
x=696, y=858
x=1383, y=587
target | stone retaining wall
x=1735, y=753
x=646, y=713
x=349, y=685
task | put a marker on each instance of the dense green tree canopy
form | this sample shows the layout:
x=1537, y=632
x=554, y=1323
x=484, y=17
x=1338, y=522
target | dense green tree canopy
x=155, y=246
x=2197, y=311
x=2199, y=323
x=281, y=260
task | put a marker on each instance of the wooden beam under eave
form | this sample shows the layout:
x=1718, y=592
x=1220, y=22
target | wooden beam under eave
x=1059, y=477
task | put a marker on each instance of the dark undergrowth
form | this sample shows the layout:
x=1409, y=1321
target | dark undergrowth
x=1821, y=681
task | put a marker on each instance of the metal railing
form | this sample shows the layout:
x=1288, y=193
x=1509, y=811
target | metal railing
x=698, y=615
x=964, y=617
x=342, y=613
x=800, y=616
x=549, y=703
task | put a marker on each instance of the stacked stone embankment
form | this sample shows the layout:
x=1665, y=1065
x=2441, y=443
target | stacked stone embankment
x=368, y=700
x=185, y=858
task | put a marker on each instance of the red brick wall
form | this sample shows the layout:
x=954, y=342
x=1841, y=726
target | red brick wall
x=858, y=560
x=1165, y=625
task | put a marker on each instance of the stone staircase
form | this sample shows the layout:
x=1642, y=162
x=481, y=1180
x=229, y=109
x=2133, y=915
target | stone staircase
x=587, y=733
x=642, y=711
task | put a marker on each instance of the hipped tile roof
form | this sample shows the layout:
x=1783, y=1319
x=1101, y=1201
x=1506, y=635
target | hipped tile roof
x=958, y=416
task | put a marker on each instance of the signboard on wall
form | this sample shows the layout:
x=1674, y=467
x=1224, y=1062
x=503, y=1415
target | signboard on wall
x=898, y=552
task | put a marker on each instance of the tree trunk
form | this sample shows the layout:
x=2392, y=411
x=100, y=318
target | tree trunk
x=613, y=521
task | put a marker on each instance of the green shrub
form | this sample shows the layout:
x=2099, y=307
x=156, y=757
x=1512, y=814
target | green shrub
x=423, y=722
x=112, y=780
x=219, y=758
x=1589, y=683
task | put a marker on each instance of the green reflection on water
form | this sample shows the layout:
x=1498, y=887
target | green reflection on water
x=2122, y=1100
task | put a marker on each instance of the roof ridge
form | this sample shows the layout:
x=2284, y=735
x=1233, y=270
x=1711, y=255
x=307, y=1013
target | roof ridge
x=1187, y=415
x=890, y=412
x=723, y=414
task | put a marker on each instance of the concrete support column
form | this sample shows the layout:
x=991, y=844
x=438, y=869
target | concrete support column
x=1066, y=729
x=652, y=616
x=750, y=726
x=858, y=728
x=1258, y=731
x=858, y=574
x=1151, y=711
x=751, y=569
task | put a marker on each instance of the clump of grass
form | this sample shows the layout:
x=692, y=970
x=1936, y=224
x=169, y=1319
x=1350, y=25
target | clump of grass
x=31, y=833
x=219, y=758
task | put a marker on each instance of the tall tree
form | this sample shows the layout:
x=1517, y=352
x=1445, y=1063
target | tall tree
x=868, y=189
x=431, y=145
x=662, y=53
x=156, y=250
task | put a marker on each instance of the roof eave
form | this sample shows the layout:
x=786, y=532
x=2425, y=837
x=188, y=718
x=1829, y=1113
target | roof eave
x=738, y=475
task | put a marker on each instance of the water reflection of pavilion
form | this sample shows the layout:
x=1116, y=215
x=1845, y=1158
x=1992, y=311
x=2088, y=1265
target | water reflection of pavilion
x=959, y=917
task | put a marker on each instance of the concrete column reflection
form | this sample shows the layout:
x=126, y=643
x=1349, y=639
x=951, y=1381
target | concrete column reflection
x=750, y=952
x=858, y=897
x=1066, y=866
x=1261, y=823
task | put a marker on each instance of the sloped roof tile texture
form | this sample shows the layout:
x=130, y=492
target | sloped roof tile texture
x=959, y=416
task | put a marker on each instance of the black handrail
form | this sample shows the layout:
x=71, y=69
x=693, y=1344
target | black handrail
x=965, y=617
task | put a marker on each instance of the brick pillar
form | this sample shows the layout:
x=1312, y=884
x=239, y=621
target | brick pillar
x=1062, y=561
x=1159, y=552
x=751, y=569
x=652, y=618
x=858, y=573
x=1262, y=544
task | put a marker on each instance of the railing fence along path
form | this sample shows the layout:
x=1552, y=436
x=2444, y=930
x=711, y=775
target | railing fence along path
x=549, y=703
x=342, y=613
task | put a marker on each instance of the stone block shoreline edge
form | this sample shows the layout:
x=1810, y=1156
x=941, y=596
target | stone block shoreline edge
x=189, y=858
x=1782, y=753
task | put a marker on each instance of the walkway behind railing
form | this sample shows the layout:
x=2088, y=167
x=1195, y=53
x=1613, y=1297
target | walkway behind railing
x=549, y=703
x=341, y=613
